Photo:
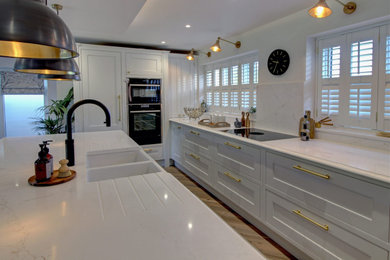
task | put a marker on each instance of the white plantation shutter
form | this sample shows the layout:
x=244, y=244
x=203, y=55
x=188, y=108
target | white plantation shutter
x=245, y=71
x=331, y=62
x=225, y=76
x=245, y=100
x=234, y=75
x=234, y=101
x=362, y=79
x=216, y=78
x=209, y=78
x=217, y=100
x=354, y=78
x=209, y=98
x=330, y=79
x=255, y=72
x=330, y=101
x=362, y=58
x=231, y=84
x=225, y=99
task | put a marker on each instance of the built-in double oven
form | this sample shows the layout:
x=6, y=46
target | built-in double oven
x=145, y=110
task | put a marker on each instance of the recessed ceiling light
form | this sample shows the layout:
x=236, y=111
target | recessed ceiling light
x=188, y=25
x=163, y=42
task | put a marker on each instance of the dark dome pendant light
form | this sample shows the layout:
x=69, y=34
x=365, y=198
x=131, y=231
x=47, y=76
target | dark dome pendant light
x=52, y=67
x=29, y=29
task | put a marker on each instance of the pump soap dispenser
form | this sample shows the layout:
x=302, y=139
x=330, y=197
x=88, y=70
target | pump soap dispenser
x=42, y=166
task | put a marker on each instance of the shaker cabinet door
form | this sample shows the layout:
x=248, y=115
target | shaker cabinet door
x=101, y=80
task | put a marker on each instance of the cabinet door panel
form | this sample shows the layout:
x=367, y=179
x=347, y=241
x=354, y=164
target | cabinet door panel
x=176, y=142
x=143, y=64
x=101, y=80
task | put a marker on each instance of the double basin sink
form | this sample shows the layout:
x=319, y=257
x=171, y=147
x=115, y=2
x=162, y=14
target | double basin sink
x=119, y=163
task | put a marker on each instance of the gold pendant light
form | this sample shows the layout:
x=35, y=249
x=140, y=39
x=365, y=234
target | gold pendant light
x=29, y=29
x=322, y=10
x=191, y=54
x=217, y=47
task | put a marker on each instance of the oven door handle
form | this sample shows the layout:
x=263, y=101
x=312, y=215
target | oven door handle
x=145, y=111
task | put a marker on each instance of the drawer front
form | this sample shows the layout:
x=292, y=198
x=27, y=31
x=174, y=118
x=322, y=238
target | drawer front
x=196, y=137
x=155, y=151
x=357, y=204
x=235, y=186
x=317, y=236
x=197, y=164
x=238, y=157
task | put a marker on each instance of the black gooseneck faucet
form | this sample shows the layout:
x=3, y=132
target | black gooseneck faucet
x=69, y=142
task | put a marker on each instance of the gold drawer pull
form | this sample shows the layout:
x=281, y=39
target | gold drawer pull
x=324, y=227
x=232, y=177
x=148, y=150
x=325, y=176
x=194, y=133
x=195, y=156
x=179, y=127
x=232, y=145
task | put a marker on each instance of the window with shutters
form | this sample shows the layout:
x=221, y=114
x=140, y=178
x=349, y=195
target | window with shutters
x=354, y=78
x=231, y=83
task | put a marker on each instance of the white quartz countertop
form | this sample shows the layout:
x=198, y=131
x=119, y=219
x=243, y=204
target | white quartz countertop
x=370, y=163
x=150, y=216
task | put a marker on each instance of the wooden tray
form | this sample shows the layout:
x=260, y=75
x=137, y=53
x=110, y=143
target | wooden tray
x=206, y=122
x=54, y=180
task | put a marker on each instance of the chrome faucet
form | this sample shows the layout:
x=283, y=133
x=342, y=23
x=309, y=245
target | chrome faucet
x=69, y=142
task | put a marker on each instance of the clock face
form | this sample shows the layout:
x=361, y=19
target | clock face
x=278, y=62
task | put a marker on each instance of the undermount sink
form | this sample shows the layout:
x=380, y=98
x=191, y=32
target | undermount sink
x=119, y=163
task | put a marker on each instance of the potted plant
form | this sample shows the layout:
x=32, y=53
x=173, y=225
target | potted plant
x=53, y=122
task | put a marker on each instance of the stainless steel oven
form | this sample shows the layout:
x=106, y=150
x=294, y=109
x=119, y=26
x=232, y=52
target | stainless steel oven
x=144, y=91
x=145, y=123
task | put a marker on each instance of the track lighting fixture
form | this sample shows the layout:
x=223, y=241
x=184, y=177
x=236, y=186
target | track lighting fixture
x=321, y=9
x=217, y=47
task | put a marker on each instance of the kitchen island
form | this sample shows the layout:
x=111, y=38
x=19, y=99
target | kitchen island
x=149, y=216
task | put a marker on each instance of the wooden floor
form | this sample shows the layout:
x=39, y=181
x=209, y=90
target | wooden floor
x=259, y=240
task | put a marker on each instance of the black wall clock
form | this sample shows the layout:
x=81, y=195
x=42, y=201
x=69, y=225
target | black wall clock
x=278, y=62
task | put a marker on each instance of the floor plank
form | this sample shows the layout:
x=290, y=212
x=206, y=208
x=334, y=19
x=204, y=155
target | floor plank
x=254, y=236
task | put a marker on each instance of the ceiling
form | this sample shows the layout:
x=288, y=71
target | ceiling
x=149, y=22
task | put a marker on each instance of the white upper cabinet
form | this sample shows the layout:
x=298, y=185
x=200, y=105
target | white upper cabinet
x=101, y=73
x=142, y=64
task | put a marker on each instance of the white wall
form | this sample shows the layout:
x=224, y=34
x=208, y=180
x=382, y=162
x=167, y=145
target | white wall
x=281, y=99
x=183, y=91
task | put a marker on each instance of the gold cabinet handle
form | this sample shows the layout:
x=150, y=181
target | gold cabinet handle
x=119, y=106
x=179, y=127
x=195, y=156
x=232, y=145
x=324, y=176
x=298, y=212
x=194, y=133
x=148, y=150
x=232, y=177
